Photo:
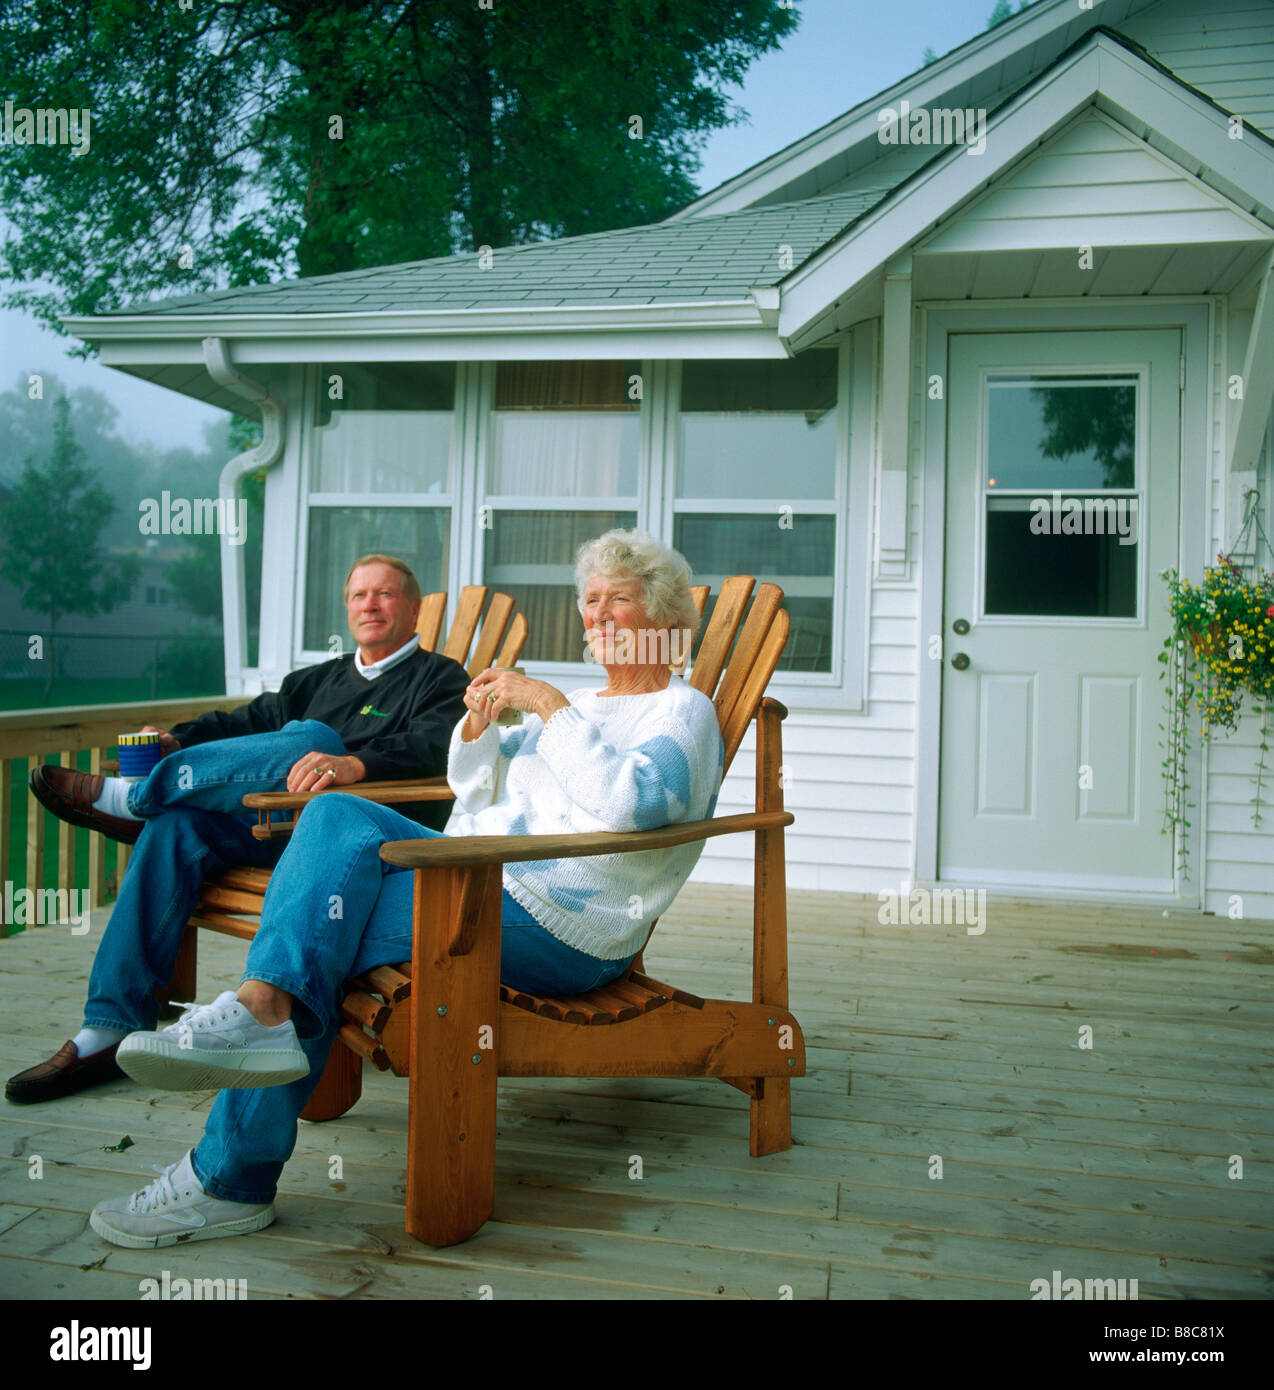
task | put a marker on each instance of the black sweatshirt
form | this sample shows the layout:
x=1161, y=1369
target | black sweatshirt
x=399, y=724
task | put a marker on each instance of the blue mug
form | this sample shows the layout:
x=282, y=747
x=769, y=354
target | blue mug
x=138, y=754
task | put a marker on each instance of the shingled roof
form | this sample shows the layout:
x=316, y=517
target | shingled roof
x=708, y=259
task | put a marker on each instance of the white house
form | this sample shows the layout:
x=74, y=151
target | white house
x=1040, y=265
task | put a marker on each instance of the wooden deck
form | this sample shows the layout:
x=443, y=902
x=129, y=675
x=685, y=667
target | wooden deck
x=1110, y=1162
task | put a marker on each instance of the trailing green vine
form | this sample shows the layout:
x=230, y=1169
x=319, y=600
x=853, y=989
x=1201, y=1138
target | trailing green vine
x=1220, y=649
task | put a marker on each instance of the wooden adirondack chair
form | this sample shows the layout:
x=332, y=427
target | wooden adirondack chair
x=231, y=900
x=445, y=1020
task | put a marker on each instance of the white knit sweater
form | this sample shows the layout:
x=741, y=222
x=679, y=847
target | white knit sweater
x=626, y=762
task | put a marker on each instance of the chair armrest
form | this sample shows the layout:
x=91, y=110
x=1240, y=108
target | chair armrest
x=467, y=851
x=386, y=793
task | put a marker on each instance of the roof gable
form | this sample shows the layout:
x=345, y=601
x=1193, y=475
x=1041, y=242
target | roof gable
x=1095, y=184
x=981, y=73
x=1104, y=71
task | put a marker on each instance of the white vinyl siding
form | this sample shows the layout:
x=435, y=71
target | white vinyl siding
x=851, y=776
x=1224, y=48
x=1093, y=185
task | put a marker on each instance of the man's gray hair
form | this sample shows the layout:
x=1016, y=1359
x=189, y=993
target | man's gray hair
x=661, y=571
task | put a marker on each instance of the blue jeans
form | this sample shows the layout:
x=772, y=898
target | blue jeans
x=195, y=826
x=335, y=909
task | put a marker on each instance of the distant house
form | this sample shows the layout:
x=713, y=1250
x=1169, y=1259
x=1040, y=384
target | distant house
x=1033, y=269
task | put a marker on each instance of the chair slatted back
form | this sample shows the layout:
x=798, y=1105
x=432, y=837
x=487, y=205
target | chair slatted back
x=433, y=608
x=715, y=646
x=465, y=622
x=499, y=626
x=513, y=643
x=753, y=662
x=497, y=620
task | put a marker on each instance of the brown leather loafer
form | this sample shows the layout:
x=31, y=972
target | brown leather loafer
x=62, y=1075
x=70, y=796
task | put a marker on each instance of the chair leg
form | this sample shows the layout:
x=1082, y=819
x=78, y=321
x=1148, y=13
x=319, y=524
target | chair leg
x=770, y=1128
x=454, y=1047
x=182, y=985
x=339, y=1087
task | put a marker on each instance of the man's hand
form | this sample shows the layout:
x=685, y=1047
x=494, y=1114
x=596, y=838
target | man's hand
x=319, y=772
x=167, y=744
x=496, y=689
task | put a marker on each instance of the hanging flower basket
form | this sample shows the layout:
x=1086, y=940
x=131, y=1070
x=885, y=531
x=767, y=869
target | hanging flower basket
x=1219, y=654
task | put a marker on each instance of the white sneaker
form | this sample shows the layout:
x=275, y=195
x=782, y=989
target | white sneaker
x=172, y=1210
x=213, y=1047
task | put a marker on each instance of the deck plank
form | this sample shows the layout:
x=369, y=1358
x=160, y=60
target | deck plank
x=1103, y=1163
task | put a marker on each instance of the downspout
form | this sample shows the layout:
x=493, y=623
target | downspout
x=216, y=356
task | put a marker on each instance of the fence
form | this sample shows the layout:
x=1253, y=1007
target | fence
x=73, y=736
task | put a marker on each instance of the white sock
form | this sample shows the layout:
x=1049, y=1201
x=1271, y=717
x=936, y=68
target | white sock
x=90, y=1040
x=114, y=799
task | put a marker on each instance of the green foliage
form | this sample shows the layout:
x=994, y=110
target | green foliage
x=50, y=533
x=128, y=471
x=459, y=126
x=1004, y=10
x=192, y=668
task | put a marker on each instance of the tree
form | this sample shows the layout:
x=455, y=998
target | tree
x=49, y=538
x=1004, y=10
x=242, y=141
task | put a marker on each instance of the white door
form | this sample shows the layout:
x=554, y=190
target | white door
x=1063, y=477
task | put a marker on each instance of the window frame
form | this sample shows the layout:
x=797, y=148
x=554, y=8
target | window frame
x=307, y=501
x=841, y=690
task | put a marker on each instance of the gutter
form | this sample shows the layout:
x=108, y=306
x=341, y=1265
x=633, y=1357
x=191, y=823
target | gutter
x=221, y=369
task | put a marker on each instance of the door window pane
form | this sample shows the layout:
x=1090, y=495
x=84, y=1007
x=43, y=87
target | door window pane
x=1061, y=538
x=801, y=560
x=531, y=555
x=1068, y=433
x=388, y=429
x=1035, y=568
x=420, y=536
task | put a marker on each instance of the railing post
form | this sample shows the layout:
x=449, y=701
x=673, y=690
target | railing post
x=6, y=827
x=96, y=849
x=35, y=835
x=66, y=835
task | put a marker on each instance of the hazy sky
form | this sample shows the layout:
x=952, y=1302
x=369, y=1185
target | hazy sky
x=843, y=52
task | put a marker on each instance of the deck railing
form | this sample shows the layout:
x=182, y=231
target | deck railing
x=61, y=735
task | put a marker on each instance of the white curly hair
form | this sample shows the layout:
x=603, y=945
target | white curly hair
x=661, y=571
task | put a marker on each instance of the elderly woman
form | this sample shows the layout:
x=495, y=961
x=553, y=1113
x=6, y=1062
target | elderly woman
x=642, y=752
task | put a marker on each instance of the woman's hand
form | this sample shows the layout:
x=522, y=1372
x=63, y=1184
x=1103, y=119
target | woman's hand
x=496, y=689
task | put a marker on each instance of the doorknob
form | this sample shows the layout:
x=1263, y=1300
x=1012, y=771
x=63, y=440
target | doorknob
x=960, y=626
x=960, y=661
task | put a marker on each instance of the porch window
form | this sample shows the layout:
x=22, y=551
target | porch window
x=562, y=468
x=380, y=479
x=756, y=486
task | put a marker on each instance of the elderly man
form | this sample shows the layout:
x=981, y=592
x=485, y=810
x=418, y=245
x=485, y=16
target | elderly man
x=385, y=712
